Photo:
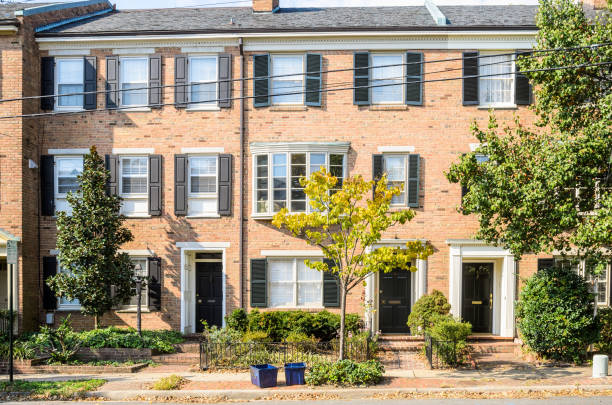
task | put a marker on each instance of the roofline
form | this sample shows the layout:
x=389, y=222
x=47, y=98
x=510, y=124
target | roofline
x=73, y=19
x=58, y=6
x=266, y=32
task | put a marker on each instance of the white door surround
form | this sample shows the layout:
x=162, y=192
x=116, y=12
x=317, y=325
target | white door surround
x=504, y=280
x=418, y=285
x=188, y=284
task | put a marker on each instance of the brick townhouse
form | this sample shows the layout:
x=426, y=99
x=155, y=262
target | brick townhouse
x=207, y=119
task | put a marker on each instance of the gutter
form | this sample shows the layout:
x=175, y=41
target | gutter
x=241, y=174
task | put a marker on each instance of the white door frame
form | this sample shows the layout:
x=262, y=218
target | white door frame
x=188, y=250
x=504, y=280
x=418, y=285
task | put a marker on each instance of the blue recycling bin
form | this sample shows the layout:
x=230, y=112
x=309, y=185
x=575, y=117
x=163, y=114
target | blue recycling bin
x=264, y=375
x=294, y=373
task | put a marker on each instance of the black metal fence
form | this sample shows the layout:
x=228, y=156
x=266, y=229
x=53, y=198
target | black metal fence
x=4, y=326
x=239, y=355
x=444, y=353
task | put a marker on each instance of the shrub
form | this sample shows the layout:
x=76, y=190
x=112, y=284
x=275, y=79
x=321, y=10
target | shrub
x=256, y=336
x=162, y=341
x=60, y=344
x=345, y=372
x=222, y=335
x=555, y=315
x=451, y=335
x=426, y=310
x=22, y=349
x=237, y=320
x=300, y=337
x=604, y=341
x=171, y=382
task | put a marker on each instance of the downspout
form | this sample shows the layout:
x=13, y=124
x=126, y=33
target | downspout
x=241, y=172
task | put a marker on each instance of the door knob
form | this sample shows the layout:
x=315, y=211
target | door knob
x=199, y=301
x=491, y=301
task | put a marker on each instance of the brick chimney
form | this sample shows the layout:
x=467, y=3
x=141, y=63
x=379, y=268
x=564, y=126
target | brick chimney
x=592, y=4
x=265, y=6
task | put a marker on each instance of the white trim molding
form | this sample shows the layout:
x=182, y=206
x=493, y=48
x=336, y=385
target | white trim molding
x=69, y=52
x=75, y=151
x=396, y=149
x=202, y=49
x=329, y=147
x=138, y=252
x=133, y=51
x=203, y=245
x=133, y=151
x=212, y=149
x=291, y=253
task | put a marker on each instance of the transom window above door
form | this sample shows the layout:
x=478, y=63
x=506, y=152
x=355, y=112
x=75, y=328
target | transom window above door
x=277, y=176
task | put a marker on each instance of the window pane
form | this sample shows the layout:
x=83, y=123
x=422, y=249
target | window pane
x=280, y=270
x=203, y=174
x=497, y=89
x=140, y=269
x=74, y=100
x=281, y=295
x=62, y=300
x=134, y=97
x=203, y=69
x=279, y=172
x=204, y=93
x=298, y=170
x=287, y=65
x=262, y=184
x=395, y=168
x=67, y=172
x=309, y=294
x=203, y=184
x=134, y=70
x=317, y=160
x=305, y=273
x=134, y=175
x=387, y=75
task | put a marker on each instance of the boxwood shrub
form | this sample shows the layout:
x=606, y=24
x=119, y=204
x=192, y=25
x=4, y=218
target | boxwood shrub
x=345, y=372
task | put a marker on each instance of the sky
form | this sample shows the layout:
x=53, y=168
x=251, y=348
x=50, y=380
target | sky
x=132, y=4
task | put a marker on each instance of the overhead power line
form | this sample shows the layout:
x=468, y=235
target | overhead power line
x=323, y=90
x=370, y=67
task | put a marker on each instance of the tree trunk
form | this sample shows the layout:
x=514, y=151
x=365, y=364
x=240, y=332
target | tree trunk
x=342, y=323
x=96, y=321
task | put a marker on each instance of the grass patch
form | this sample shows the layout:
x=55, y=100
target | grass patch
x=51, y=389
x=172, y=382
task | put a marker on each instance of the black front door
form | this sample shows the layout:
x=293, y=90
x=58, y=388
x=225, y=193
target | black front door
x=209, y=294
x=394, y=304
x=477, y=305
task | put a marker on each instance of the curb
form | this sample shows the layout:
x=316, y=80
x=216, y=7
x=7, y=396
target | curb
x=350, y=393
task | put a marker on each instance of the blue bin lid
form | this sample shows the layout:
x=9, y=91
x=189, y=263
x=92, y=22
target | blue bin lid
x=263, y=366
x=295, y=365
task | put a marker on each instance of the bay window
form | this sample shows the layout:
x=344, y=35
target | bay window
x=292, y=284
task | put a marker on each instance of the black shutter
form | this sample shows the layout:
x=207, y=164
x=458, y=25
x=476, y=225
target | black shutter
x=90, y=80
x=47, y=185
x=377, y=171
x=47, y=82
x=224, y=206
x=261, y=87
x=361, y=78
x=155, y=185
x=259, y=287
x=470, y=84
x=313, y=79
x=49, y=269
x=545, y=263
x=225, y=77
x=331, y=287
x=155, y=283
x=414, y=76
x=112, y=165
x=412, y=188
x=155, y=81
x=180, y=81
x=112, y=81
x=523, y=94
x=180, y=185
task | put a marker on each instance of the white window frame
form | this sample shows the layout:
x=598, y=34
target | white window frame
x=133, y=196
x=56, y=84
x=57, y=195
x=404, y=156
x=287, y=78
x=294, y=283
x=401, y=79
x=69, y=306
x=484, y=61
x=198, y=105
x=144, y=84
x=581, y=269
x=270, y=211
x=144, y=305
x=202, y=196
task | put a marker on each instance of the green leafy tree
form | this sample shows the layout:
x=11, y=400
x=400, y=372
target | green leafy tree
x=88, y=241
x=345, y=225
x=548, y=187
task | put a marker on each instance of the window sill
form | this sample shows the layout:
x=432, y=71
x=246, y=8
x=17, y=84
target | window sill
x=196, y=108
x=69, y=109
x=262, y=216
x=144, y=216
x=203, y=216
x=134, y=109
x=68, y=309
x=498, y=107
x=289, y=107
x=143, y=309
x=388, y=107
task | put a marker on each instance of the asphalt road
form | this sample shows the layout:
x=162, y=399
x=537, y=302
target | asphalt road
x=550, y=401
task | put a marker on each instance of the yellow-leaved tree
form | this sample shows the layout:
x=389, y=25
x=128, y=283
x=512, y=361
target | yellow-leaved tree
x=345, y=223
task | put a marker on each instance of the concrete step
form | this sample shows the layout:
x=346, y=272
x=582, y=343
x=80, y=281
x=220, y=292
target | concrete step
x=400, y=346
x=400, y=338
x=188, y=347
x=496, y=347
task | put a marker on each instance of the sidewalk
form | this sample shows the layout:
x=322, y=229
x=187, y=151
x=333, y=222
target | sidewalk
x=512, y=382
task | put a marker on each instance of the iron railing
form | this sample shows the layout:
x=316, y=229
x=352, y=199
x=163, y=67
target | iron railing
x=239, y=355
x=4, y=325
x=444, y=353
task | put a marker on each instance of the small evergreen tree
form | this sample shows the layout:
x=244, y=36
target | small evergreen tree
x=88, y=241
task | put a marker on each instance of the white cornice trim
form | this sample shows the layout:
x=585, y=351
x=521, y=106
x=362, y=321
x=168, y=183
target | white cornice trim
x=329, y=147
x=202, y=245
x=136, y=151
x=396, y=149
x=69, y=52
x=83, y=151
x=202, y=49
x=467, y=242
x=11, y=29
x=213, y=149
x=133, y=51
x=291, y=253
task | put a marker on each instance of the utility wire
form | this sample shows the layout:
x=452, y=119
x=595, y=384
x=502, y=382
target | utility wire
x=370, y=67
x=324, y=90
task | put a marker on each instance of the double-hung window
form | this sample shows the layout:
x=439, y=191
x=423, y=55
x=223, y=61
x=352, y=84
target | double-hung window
x=133, y=185
x=389, y=78
x=203, y=80
x=134, y=75
x=69, y=79
x=62, y=302
x=292, y=284
x=497, y=79
x=287, y=77
x=141, y=269
x=277, y=178
x=599, y=284
x=202, y=185
x=67, y=168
